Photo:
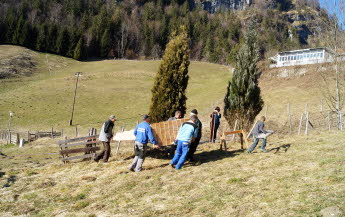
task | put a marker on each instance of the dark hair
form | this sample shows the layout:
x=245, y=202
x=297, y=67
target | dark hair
x=178, y=112
x=263, y=118
x=217, y=108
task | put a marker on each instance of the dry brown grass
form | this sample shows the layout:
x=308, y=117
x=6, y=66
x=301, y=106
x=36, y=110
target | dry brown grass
x=298, y=177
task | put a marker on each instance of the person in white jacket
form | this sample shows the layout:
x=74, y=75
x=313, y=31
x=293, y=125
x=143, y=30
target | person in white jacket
x=105, y=137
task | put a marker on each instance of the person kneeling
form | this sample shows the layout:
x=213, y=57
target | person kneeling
x=187, y=132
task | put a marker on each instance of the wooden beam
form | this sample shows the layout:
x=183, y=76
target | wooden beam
x=77, y=139
x=79, y=150
x=65, y=145
x=78, y=157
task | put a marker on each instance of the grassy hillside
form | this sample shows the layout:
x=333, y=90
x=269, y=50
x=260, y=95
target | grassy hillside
x=298, y=177
x=120, y=87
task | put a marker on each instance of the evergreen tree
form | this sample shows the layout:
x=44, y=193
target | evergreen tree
x=105, y=43
x=62, y=43
x=79, y=50
x=168, y=92
x=242, y=100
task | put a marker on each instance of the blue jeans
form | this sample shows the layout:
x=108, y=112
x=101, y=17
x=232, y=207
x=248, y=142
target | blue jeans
x=181, y=154
x=256, y=141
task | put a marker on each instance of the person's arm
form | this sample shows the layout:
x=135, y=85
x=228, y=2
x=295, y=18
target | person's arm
x=150, y=135
x=135, y=131
x=106, y=126
x=220, y=115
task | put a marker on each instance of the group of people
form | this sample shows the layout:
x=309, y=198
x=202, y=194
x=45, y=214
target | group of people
x=185, y=145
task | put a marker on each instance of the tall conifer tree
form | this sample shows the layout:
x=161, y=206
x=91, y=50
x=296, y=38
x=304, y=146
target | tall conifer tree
x=243, y=100
x=168, y=92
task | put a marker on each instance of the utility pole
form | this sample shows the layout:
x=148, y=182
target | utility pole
x=78, y=74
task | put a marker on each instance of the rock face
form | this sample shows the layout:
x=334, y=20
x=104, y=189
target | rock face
x=213, y=6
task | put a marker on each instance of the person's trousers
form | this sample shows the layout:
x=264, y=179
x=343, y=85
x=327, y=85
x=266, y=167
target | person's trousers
x=256, y=141
x=181, y=154
x=105, y=153
x=216, y=126
x=140, y=152
x=192, y=148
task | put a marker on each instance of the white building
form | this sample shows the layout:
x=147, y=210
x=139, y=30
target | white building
x=302, y=57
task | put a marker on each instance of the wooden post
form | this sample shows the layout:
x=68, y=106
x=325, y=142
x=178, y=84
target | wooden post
x=307, y=123
x=341, y=120
x=241, y=137
x=233, y=136
x=300, y=125
x=61, y=133
x=250, y=132
x=76, y=130
x=329, y=121
x=18, y=139
x=52, y=133
x=306, y=108
x=289, y=113
x=119, y=143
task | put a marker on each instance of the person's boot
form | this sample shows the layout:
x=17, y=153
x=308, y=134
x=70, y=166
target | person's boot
x=264, y=150
x=248, y=151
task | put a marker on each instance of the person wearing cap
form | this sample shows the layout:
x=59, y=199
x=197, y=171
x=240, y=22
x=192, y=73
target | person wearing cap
x=187, y=132
x=178, y=115
x=217, y=117
x=194, y=144
x=105, y=137
x=143, y=133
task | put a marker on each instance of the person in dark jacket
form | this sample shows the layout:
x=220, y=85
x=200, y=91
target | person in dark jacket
x=260, y=133
x=194, y=144
x=217, y=118
x=143, y=133
x=105, y=137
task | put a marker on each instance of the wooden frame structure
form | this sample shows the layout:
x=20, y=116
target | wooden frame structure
x=165, y=132
x=243, y=137
x=88, y=143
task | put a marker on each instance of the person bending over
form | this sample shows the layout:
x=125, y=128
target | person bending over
x=260, y=133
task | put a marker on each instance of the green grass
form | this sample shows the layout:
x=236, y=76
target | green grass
x=120, y=87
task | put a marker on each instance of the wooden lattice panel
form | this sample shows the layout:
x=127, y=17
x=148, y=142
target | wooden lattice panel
x=165, y=132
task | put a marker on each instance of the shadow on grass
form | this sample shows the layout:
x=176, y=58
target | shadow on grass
x=285, y=148
x=215, y=155
x=10, y=181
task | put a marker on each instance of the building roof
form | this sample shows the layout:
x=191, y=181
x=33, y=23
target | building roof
x=302, y=50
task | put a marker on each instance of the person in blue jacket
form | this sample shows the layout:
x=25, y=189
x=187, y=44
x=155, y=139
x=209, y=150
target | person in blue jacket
x=186, y=134
x=143, y=133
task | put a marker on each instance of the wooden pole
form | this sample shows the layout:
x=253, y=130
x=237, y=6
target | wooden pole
x=250, y=132
x=307, y=123
x=61, y=133
x=329, y=121
x=290, y=124
x=300, y=125
x=341, y=120
x=233, y=136
x=306, y=108
x=76, y=130
x=75, y=94
x=52, y=133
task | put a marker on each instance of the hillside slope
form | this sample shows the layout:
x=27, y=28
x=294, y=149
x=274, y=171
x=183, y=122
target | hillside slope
x=120, y=87
x=300, y=176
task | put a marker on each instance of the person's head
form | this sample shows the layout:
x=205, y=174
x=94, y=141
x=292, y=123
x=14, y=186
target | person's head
x=217, y=109
x=263, y=118
x=178, y=114
x=146, y=118
x=194, y=112
x=193, y=118
x=112, y=118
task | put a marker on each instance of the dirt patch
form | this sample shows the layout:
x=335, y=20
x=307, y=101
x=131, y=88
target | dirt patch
x=17, y=66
